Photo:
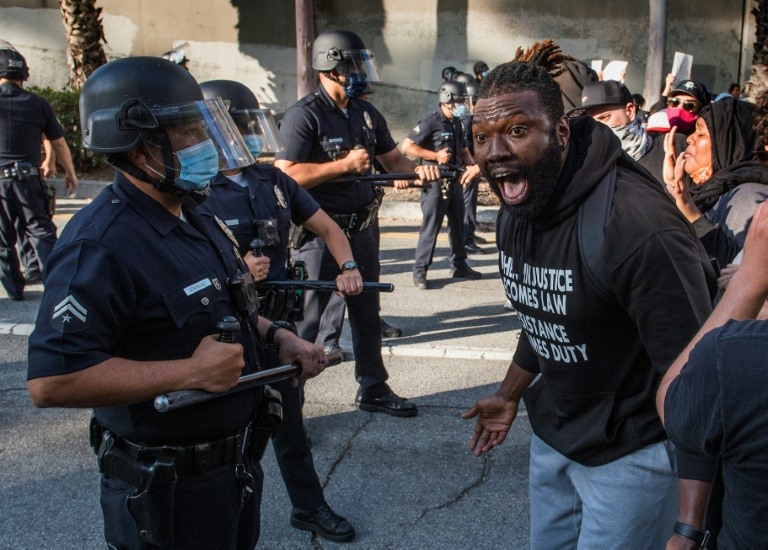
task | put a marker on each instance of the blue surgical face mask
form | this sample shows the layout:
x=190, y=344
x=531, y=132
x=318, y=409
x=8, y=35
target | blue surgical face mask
x=199, y=164
x=356, y=85
x=254, y=143
x=459, y=110
x=485, y=73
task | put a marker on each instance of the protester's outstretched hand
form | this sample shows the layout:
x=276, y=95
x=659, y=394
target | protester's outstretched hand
x=494, y=419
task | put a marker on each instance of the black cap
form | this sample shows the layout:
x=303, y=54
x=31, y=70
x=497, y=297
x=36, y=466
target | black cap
x=603, y=92
x=693, y=88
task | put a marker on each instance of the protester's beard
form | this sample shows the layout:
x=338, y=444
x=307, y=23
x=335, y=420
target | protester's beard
x=542, y=182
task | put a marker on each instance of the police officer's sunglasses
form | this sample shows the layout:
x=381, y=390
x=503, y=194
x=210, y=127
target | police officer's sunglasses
x=690, y=106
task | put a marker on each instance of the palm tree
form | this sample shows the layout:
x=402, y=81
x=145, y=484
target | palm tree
x=85, y=35
x=758, y=80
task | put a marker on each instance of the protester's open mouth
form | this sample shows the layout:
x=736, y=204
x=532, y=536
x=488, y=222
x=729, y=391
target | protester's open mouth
x=513, y=186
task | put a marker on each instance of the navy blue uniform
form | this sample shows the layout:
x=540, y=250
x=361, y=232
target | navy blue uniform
x=436, y=132
x=128, y=279
x=24, y=119
x=307, y=126
x=470, y=191
x=240, y=207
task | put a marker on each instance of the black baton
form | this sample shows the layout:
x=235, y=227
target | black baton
x=184, y=398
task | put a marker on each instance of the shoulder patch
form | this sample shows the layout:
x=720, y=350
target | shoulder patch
x=416, y=129
x=69, y=315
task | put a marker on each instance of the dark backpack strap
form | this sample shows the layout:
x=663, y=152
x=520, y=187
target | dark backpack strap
x=592, y=220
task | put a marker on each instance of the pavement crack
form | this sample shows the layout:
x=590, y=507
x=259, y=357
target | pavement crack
x=345, y=452
x=463, y=492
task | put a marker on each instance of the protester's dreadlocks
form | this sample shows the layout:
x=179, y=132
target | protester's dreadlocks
x=533, y=69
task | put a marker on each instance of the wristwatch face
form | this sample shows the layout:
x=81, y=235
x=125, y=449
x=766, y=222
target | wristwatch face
x=350, y=264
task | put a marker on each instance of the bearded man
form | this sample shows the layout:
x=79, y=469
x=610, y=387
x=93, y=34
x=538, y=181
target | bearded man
x=608, y=291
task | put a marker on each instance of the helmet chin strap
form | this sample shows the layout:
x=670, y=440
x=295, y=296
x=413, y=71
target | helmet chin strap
x=167, y=183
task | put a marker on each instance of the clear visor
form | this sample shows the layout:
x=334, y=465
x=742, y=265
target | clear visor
x=207, y=119
x=259, y=123
x=361, y=63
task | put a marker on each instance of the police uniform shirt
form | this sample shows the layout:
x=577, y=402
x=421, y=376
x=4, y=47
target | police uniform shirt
x=129, y=279
x=270, y=194
x=428, y=134
x=314, y=120
x=24, y=118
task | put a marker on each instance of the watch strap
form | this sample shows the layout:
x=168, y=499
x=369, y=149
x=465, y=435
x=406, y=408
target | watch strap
x=348, y=265
x=701, y=538
x=269, y=338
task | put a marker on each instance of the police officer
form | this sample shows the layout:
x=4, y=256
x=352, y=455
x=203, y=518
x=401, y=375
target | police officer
x=470, y=191
x=481, y=70
x=25, y=119
x=439, y=139
x=136, y=285
x=260, y=202
x=332, y=133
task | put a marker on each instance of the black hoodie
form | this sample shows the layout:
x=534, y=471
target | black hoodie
x=601, y=360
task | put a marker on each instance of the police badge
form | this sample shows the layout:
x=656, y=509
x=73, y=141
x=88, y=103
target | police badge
x=280, y=197
x=368, y=121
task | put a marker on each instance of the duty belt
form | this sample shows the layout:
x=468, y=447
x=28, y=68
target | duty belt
x=197, y=458
x=354, y=223
x=10, y=171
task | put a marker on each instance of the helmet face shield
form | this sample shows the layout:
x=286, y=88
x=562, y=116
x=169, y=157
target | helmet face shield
x=359, y=63
x=208, y=119
x=259, y=130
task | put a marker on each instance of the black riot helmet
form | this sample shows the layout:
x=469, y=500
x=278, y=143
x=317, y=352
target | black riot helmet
x=451, y=92
x=154, y=102
x=13, y=66
x=472, y=90
x=464, y=78
x=344, y=51
x=256, y=125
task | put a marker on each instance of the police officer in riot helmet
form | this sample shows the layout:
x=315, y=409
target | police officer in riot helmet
x=330, y=134
x=137, y=284
x=462, y=78
x=25, y=120
x=260, y=202
x=448, y=72
x=438, y=139
x=472, y=241
x=481, y=70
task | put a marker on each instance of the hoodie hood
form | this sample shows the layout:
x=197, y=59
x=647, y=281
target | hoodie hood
x=734, y=142
x=592, y=150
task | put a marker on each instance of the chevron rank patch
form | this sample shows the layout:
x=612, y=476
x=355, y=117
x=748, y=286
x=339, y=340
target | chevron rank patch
x=69, y=315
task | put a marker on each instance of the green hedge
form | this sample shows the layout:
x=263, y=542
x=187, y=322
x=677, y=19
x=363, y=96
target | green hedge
x=65, y=104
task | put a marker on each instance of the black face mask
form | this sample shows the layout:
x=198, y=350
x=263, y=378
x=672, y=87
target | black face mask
x=542, y=180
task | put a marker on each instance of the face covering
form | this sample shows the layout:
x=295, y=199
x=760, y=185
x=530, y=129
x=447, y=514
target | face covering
x=356, y=85
x=459, y=110
x=254, y=143
x=634, y=140
x=681, y=118
x=199, y=164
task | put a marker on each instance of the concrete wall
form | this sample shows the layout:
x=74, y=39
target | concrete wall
x=254, y=41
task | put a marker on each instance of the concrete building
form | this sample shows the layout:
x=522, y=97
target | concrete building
x=253, y=41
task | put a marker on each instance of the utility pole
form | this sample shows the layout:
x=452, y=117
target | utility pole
x=305, y=35
x=657, y=45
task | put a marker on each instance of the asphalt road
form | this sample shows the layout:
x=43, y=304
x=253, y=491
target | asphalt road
x=403, y=483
